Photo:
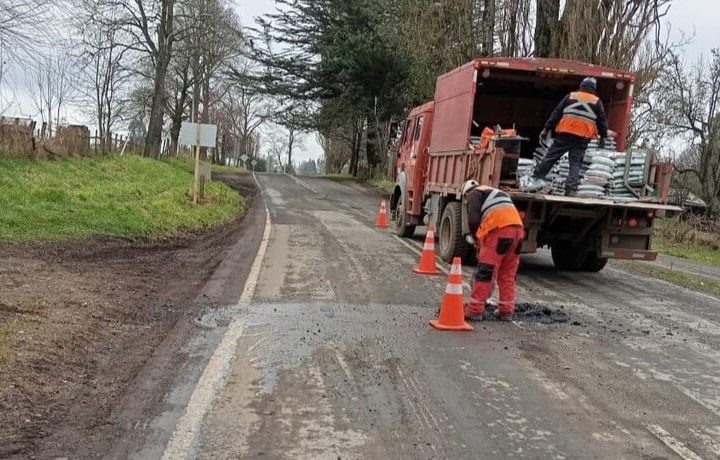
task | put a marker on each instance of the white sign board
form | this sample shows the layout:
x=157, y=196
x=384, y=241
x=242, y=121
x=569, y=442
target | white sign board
x=244, y=158
x=253, y=163
x=189, y=134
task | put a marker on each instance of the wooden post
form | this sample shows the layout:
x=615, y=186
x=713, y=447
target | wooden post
x=197, y=164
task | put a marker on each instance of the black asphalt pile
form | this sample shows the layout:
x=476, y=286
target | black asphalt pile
x=538, y=313
x=529, y=313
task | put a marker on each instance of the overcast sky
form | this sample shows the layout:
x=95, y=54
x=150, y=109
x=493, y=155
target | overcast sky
x=698, y=18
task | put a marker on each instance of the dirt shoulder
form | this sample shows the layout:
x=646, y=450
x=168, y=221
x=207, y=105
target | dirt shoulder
x=79, y=320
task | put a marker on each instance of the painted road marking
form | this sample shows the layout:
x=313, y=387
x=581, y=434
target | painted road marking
x=675, y=445
x=213, y=378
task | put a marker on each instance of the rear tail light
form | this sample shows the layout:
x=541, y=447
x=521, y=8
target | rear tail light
x=632, y=223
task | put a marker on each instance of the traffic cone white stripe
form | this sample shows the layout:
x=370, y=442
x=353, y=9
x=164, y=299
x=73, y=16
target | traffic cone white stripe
x=456, y=270
x=430, y=235
x=429, y=246
x=454, y=289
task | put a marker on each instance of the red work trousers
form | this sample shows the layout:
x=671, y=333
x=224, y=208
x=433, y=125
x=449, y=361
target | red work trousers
x=498, y=261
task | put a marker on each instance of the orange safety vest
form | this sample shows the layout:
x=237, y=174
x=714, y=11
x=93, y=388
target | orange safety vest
x=497, y=211
x=579, y=116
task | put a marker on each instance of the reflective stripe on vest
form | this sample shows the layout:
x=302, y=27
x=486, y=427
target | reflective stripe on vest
x=498, y=211
x=496, y=198
x=579, y=116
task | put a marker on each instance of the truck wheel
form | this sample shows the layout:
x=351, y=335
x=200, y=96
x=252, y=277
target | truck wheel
x=565, y=257
x=593, y=263
x=451, y=241
x=401, y=218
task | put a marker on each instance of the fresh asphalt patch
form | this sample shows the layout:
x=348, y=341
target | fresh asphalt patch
x=530, y=313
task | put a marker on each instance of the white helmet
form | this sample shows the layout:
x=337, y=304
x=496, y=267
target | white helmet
x=469, y=185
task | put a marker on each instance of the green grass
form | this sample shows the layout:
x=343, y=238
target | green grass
x=676, y=277
x=691, y=251
x=383, y=184
x=340, y=177
x=188, y=164
x=127, y=196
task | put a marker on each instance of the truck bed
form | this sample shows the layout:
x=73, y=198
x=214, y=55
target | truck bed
x=524, y=196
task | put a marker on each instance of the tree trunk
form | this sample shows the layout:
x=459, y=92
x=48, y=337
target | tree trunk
x=291, y=142
x=488, y=28
x=547, y=23
x=153, y=138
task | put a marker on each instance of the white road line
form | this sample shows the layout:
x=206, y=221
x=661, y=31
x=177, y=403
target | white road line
x=440, y=265
x=254, y=275
x=675, y=445
x=213, y=378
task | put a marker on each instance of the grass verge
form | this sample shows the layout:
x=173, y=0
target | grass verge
x=340, y=177
x=126, y=196
x=691, y=251
x=188, y=164
x=383, y=184
x=676, y=277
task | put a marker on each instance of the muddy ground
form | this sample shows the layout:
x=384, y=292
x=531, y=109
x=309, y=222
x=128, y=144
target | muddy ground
x=78, y=321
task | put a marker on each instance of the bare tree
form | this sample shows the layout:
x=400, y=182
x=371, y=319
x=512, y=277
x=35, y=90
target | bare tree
x=214, y=41
x=608, y=32
x=514, y=25
x=148, y=28
x=51, y=82
x=251, y=108
x=690, y=107
x=19, y=31
x=178, y=102
x=103, y=78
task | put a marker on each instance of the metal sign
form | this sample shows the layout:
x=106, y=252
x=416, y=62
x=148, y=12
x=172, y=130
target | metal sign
x=198, y=134
x=253, y=163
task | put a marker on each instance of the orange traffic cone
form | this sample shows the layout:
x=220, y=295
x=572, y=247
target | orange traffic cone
x=427, y=258
x=452, y=313
x=382, y=218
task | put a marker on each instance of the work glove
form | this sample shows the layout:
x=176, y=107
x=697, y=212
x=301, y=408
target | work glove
x=601, y=143
x=470, y=240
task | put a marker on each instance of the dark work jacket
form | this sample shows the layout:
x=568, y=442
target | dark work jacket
x=557, y=114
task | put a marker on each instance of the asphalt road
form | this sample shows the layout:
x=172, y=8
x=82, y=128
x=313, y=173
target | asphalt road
x=335, y=359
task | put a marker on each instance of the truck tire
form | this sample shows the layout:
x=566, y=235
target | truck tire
x=401, y=219
x=566, y=257
x=593, y=263
x=451, y=242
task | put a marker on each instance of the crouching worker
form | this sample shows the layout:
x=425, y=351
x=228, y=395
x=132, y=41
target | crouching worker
x=496, y=229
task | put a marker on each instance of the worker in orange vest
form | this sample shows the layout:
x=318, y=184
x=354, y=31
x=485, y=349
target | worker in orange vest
x=578, y=118
x=497, y=231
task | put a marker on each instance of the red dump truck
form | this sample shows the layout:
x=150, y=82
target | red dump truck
x=438, y=151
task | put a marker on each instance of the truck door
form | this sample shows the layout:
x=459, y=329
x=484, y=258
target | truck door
x=415, y=146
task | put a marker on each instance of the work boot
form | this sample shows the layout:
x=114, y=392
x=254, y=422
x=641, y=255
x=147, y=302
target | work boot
x=532, y=184
x=504, y=315
x=474, y=312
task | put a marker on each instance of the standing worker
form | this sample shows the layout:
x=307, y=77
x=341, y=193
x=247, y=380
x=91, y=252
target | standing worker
x=497, y=231
x=578, y=118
